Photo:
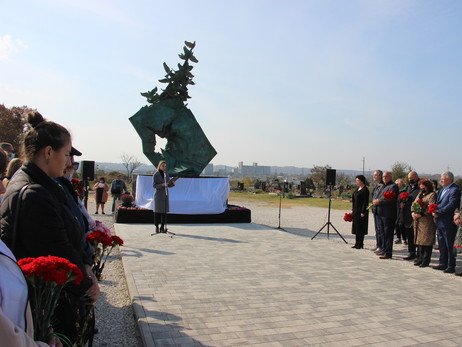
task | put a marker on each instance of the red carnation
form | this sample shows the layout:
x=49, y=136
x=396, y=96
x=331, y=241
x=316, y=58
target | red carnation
x=403, y=195
x=348, y=217
x=389, y=195
x=432, y=208
x=47, y=276
x=117, y=240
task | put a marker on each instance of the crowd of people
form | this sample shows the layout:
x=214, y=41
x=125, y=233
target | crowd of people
x=41, y=215
x=418, y=212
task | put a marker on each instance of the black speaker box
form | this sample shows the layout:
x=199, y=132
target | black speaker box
x=330, y=177
x=88, y=170
x=302, y=188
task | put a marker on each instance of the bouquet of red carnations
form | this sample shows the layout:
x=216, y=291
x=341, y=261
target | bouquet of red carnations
x=46, y=277
x=348, y=217
x=389, y=195
x=103, y=245
x=419, y=206
x=432, y=208
x=403, y=196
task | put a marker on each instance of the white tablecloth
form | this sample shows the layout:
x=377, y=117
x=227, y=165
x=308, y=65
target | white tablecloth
x=188, y=196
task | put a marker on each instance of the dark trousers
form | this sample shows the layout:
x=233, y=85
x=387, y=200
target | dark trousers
x=359, y=241
x=114, y=198
x=446, y=239
x=424, y=255
x=378, y=231
x=401, y=232
x=160, y=218
x=388, y=232
x=410, y=241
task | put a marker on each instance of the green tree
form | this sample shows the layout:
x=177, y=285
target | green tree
x=400, y=170
x=318, y=175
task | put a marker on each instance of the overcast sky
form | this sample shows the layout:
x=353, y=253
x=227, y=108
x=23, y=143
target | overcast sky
x=298, y=83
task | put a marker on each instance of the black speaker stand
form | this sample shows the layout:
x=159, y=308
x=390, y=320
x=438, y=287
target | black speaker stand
x=328, y=223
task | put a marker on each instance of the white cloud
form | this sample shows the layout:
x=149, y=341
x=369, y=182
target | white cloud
x=10, y=47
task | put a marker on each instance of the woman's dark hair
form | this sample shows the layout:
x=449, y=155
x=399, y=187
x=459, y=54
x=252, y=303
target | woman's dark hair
x=43, y=133
x=428, y=185
x=3, y=161
x=102, y=179
x=361, y=178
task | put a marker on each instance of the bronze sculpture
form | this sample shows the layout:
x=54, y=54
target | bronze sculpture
x=188, y=151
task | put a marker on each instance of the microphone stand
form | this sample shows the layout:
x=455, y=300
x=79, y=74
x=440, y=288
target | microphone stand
x=279, y=218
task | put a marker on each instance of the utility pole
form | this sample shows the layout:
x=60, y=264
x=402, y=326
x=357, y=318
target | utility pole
x=364, y=161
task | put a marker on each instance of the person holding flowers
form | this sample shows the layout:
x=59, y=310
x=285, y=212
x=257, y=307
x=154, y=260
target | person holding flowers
x=16, y=324
x=377, y=221
x=424, y=226
x=386, y=209
x=360, y=212
x=399, y=228
x=35, y=220
x=413, y=190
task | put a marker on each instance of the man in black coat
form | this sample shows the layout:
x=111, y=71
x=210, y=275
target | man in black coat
x=386, y=209
x=413, y=190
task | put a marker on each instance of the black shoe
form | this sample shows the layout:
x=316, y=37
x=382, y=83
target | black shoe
x=459, y=274
x=450, y=270
x=424, y=265
x=157, y=228
x=439, y=267
x=410, y=257
x=354, y=246
x=417, y=263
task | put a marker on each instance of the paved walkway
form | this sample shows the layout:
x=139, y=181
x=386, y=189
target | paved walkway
x=252, y=285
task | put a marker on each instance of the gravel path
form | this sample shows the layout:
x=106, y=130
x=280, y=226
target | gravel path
x=114, y=312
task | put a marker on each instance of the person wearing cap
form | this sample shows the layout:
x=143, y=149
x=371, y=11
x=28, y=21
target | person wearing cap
x=9, y=149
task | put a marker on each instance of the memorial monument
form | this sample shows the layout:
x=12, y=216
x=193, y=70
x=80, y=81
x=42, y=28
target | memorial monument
x=187, y=151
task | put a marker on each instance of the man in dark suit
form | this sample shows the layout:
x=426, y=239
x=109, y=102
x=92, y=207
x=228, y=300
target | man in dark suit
x=448, y=201
x=413, y=190
x=377, y=221
x=386, y=208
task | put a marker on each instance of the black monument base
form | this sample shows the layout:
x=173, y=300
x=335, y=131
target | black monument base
x=233, y=214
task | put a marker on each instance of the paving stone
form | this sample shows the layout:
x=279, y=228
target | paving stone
x=249, y=284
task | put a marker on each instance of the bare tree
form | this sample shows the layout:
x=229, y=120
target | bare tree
x=131, y=163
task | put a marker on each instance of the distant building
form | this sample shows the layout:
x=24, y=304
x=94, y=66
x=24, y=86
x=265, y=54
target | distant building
x=253, y=170
x=208, y=171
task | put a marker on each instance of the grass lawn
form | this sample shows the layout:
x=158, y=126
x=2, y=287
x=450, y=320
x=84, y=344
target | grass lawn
x=237, y=198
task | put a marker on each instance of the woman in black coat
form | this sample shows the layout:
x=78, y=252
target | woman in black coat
x=360, y=212
x=45, y=225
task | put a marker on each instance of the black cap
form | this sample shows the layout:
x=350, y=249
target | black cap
x=75, y=152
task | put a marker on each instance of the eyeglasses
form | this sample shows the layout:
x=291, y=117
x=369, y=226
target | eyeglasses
x=76, y=165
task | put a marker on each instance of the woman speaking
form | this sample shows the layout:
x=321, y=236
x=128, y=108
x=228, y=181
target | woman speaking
x=161, y=182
